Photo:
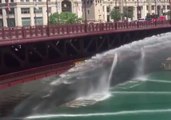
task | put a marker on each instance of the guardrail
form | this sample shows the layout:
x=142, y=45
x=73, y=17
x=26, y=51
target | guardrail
x=15, y=78
x=17, y=33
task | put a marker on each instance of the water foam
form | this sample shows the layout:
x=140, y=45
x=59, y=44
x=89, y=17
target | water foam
x=88, y=100
x=143, y=92
x=131, y=112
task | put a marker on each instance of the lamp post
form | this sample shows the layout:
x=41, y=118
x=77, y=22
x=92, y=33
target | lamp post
x=170, y=10
x=138, y=10
x=126, y=9
x=35, y=11
x=47, y=10
x=85, y=12
x=156, y=9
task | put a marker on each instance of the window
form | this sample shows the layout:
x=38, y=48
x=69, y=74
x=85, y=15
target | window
x=1, y=23
x=26, y=21
x=11, y=22
x=152, y=7
x=38, y=20
x=116, y=8
x=168, y=7
x=25, y=10
x=164, y=7
x=108, y=9
x=25, y=0
x=88, y=11
x=39, y=10
x=11, y=11
x=147, y=7
x=49, y=9
x=0, y=11
x=108, y=18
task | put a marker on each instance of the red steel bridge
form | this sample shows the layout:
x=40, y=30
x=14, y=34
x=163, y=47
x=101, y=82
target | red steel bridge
x=31, y=53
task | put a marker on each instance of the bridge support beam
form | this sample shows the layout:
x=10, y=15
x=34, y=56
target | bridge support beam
x=24, y=56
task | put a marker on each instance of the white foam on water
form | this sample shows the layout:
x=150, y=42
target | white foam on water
x=129, y=84
x=160, y=81
x=142, y=78
x=88, y=100
x=143, y=92
x=129, y=112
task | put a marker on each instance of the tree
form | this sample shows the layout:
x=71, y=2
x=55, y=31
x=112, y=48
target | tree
x=64, y=18
x=115, y=15
x=54, y=18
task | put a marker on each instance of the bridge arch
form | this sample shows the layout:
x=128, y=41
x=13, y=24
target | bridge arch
x=66, y=6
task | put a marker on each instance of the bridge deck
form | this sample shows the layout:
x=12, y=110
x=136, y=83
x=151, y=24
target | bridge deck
x=20, y=35
x=11, y=36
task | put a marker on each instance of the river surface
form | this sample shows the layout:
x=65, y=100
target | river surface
x=126, y=83
x=146, y=98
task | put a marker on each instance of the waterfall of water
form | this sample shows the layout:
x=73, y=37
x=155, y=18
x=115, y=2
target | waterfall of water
x=114, y=63
x=141, y=65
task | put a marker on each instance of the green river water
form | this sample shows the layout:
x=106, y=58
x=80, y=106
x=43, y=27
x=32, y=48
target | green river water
x=146, y=98
x=126, y=83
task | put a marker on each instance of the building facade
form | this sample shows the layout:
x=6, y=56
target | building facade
x=99, y=10
x=34, y=12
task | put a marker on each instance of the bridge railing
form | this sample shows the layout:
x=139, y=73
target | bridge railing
x=63, y=30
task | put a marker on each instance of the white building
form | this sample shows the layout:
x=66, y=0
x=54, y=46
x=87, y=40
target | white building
x=99, y=10
x=33, y=12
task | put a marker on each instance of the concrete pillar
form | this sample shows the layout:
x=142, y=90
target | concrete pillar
x=32, y=16
x=105, y=13
x=144, y=11
x=59, y=6
x=135, y=13
x=80, y=9
x=4, y=17
x=18, y=19
x=149, y=6
x=44, y=9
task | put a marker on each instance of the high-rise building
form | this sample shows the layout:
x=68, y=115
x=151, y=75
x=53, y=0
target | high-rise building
x=34, y=12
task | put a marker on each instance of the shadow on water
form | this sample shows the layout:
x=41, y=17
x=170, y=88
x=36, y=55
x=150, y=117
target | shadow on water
x=91, y=77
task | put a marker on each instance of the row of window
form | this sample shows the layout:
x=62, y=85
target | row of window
x=147, y=7
x=25, y=21
x=23, y=11
x=27, y=10
x=11, y=1
x=10, y=22
x=10, y=12
x=159, y=7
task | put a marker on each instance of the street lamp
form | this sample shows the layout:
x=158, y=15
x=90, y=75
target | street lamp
x=138, y=10
x=47, y=10
x=126, y=10
x=35, y=11
x=170, y=10
x=85, y=12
